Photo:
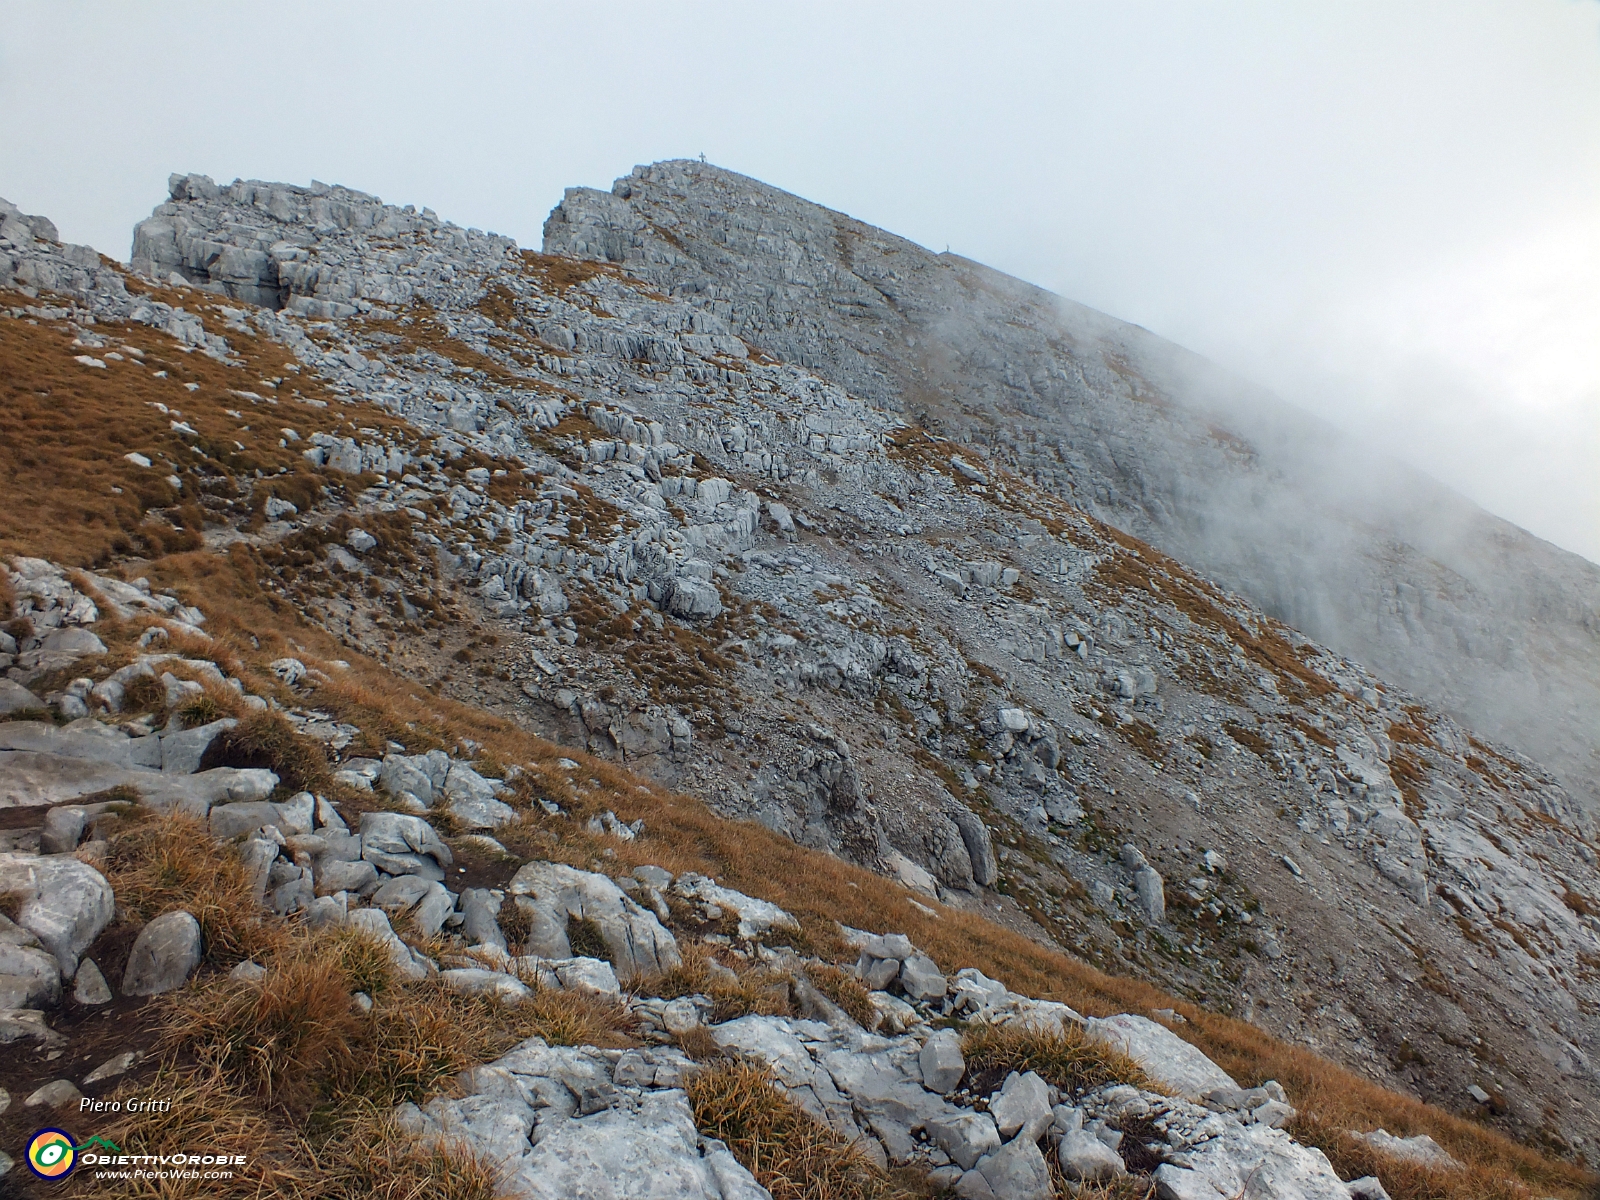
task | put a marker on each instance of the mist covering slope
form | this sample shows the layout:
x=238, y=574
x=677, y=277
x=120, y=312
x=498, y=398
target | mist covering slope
x=1370, y=557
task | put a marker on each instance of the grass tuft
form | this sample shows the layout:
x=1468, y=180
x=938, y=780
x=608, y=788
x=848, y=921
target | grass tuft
x=1062, y=1056
x=266, y=739
x=754, y=990
x=585, y=938
x=844, y=989
x=790, y=1154
x=283, y=1038
x=162, y=863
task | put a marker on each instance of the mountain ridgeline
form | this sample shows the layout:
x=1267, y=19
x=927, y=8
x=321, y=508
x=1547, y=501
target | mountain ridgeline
x=919, y=566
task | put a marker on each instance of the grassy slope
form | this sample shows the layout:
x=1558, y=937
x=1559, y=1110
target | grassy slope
x=60, y=455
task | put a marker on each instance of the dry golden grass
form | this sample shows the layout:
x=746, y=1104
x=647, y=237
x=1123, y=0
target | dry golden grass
x=217, y=1119
x=1062, y=1056
x=844, y=989
x=755, y=990
x=1128, y=1187
x=281, y=1039
x=266, y=739
x=158, y=864
x=371, y=1159
x=577, y=1019
x=790, y=1154
x=65, y=427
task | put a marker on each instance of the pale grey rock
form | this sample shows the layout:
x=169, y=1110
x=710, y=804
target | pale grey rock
x=885, y=1088
x=328, y=817
x=407, y=963
x=164, y=955
x=896, y=946
x=776, y=1042
x=248, y=972
x=1022, y=1102
x=583, y=974
x=1251, y=1159
x=644, y=1151
x=496, y=1128
x=29, y=978
x=1368, y=1187
x=1274, y=1113
x=756, y=917
x=338, y=876
x=65, y=902
x=877, y=973
x=1163, y=1055
x=552, y=893
x=16, y=698
x=296, y=813
x=89, y=986
x=470, y=798
x=63, y=829
x=494, y=984
x=1085, y=1158
x=965, y=1136
x=920, y=977
x=12, y=934
x=1016, y=1171
x=181, y=752
x=480, y=924
x=980, y=848
x=259, y=854
x=293, y=896
x=117, y=1064
x=326, y=910
x=57, y=1094
x=424, y=902
x=72, y=640
x=27, y=1024
x=1420, y=1149
x=679, y=1017
x=892, y=1015
x=228, y=821
x=975, y=992
x=651, y=876
x=31, y=778
x=692, y=599
x=403, y=845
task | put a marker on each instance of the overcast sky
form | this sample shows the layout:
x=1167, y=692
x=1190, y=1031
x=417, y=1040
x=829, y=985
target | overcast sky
x=1389, y=212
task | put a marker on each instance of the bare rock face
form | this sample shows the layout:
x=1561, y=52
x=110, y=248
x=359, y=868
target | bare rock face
x=1417, y=582
x=64, y=903
x=555, y=895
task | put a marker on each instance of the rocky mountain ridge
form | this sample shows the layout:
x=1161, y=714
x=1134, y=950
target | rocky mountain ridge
x=754, y=583
x=1371, y=558
x=557, y=1121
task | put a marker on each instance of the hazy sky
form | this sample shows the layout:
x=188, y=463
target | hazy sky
x=1387, y=212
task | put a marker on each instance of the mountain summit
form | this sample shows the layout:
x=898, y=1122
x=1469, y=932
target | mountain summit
x=1369, y=557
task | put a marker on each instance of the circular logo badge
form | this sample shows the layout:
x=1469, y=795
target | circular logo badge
x=50, y=1154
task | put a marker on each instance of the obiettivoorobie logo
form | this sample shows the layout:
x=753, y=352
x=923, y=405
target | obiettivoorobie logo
x=52, y=1153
